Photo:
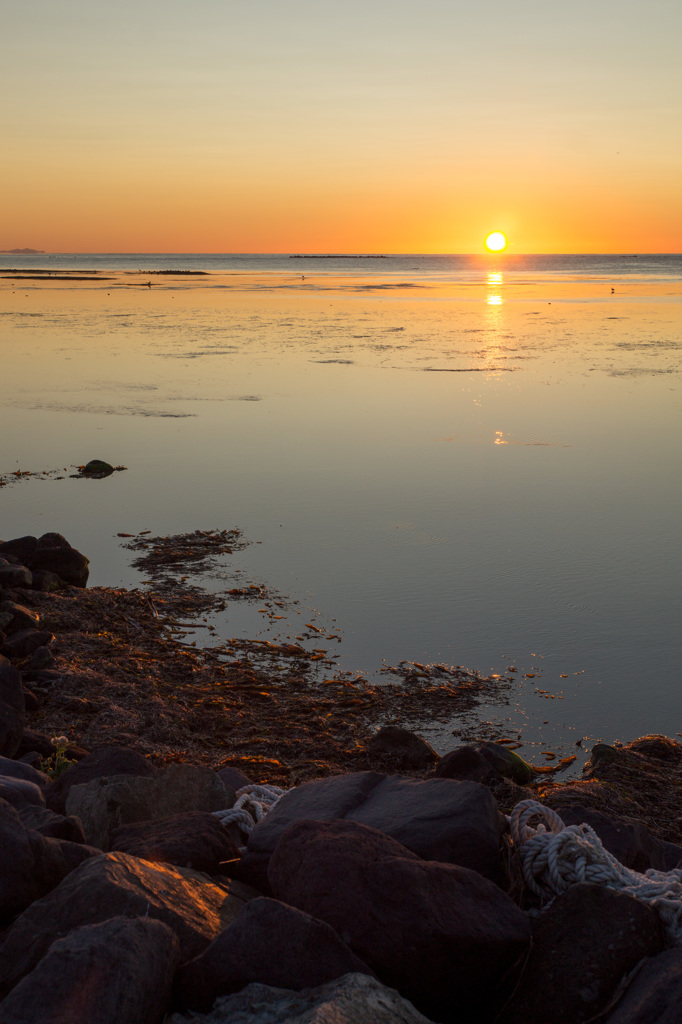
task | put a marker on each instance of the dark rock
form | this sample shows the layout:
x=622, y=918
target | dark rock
x=16, y=770
x=234, y=778
x=116, y=972
x=633, y=845
x=103, y=805
x=54, y=826
x=438, y=819
x=10, y=687
x=15, y=577
x=14, y=617
x=507, y=763
x=195, y=839
x=24, y=643
x=33, y=758
x=465, y=763
x=20, y=792
x=403, y=745
x=583, y=944
x=100, y=764
x=36, y=741
x=31, y=864
x=441, y=934
x=11, y=729
x=113, y=885
x=654, y=996
x=67, y=563
x=42, y=659
x=97, y=468
x=51, y=540
x=353, y=999
x=47, y=582
x=271, y=943
x=20, y=547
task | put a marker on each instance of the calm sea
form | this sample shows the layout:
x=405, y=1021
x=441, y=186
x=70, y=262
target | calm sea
x=468, y=460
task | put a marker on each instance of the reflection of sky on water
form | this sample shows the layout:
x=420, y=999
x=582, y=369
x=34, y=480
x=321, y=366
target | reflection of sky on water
x=544, y=533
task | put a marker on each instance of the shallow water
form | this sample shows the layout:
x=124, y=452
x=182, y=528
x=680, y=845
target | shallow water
x=471, y=462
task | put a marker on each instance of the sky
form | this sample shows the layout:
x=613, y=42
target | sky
x=341, y=125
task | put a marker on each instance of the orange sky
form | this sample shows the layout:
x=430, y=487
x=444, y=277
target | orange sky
x=344, y=126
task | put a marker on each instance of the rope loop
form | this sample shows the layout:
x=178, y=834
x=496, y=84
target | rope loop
x=555, y=856
x=252, y=804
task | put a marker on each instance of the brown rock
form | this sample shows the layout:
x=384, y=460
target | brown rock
x=113, y=885
x=103, y=805
x=116, y=972
x=443, y=935
x=195, y=839
x=405, y=746
x=31, y=864
x=438, y=819
x=99, y=764
x=271, y=943
x=583, y=944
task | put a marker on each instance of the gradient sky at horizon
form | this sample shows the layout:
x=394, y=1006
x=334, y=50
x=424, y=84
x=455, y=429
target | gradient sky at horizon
x=354, y=126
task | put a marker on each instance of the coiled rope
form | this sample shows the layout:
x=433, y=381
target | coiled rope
x=253, y=803
x=554, y=856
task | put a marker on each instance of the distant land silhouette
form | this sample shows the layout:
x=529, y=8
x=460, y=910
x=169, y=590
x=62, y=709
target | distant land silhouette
x=23, y=252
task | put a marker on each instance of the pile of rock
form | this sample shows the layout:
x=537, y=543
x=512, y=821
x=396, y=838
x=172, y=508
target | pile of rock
x=46, y=563
x=359, y=898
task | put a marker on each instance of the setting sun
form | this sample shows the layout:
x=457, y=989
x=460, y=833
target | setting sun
x=496, y=241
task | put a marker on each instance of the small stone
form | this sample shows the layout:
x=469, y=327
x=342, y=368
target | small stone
x=97, y=468
x=403, y=745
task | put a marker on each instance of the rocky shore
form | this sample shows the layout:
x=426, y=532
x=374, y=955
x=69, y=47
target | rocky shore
x=185, y=837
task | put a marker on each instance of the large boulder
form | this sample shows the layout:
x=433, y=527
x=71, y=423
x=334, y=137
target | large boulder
x=47, y=823
x=116, y=972
x=654, y=996
x=20, y=548
x=103, y=805
x=630, y=843
x=583, y=944
x=98, y=765
x=353, y=999
x=194, y=839
x=443, y=935
x=14, y=577
x=18, y=770
x=20, y=792
x=31, y=864
x=438, y=819
x=271, y=943
x=113, y=885
x=55, y=554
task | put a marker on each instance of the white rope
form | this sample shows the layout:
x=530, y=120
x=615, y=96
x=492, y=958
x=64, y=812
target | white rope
x=253, y=803
x=554, y=856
